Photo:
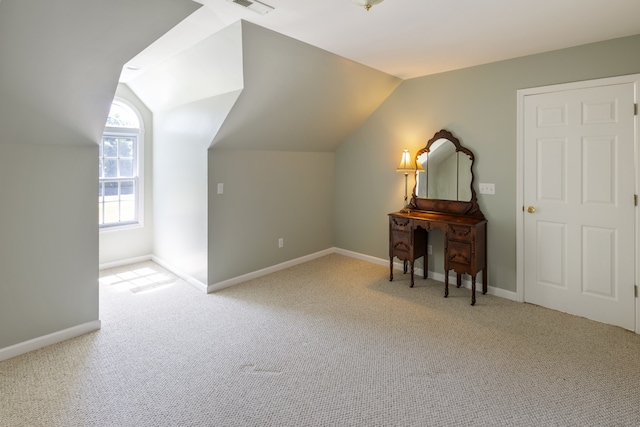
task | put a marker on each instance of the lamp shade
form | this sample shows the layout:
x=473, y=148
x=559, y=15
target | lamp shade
x=407, y=164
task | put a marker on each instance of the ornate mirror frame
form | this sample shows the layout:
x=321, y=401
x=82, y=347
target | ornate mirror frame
x=455, y=207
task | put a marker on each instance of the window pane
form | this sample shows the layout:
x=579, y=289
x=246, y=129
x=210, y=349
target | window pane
x=110, y=168
x=127, y=190
x=127, y=210
x=111, y=213
x=126, y=168
x=100, y=169
x=110, y=146
x=126, y=147
x=111, y=191
x=123, y=116
x=100, y=210
x=100, y=148
x=100, y=191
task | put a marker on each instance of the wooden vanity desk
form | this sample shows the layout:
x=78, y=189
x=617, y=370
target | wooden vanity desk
x=457, y=216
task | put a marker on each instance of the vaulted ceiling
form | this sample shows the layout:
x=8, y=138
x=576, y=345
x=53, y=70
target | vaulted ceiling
x=257, y=89
x=411, y=38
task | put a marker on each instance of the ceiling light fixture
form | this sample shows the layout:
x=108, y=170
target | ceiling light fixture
x=367, y=3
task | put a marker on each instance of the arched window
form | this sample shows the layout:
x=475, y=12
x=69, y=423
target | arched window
x=120, y=166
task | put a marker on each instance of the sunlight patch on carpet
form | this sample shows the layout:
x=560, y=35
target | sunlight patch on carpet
x=138, y=280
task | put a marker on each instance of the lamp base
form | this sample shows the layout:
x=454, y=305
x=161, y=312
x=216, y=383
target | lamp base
x=407, y=205
x=407, y=208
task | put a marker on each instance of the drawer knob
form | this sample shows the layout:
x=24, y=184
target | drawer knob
x=531, y=209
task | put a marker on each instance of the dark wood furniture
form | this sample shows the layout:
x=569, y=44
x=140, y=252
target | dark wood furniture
x=461, y=221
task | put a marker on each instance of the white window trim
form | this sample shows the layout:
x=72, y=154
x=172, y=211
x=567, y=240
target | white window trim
x=139, y=132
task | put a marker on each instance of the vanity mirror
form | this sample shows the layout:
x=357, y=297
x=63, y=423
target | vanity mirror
x=446, y=183
x=446, y=174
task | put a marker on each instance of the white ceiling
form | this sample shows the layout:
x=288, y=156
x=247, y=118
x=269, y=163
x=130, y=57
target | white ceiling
x=411, y=38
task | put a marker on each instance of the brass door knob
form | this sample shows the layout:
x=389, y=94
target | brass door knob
x=531, y=209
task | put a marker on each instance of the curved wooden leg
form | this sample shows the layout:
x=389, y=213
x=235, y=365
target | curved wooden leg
x=473, y=290
x=485, y=280
x=391, y=269
x=404, y=266
x=425, y=259
x=446, y=284
x=458, y=280
x=411, y=275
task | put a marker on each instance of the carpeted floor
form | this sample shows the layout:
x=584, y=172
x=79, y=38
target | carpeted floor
x=327, y=343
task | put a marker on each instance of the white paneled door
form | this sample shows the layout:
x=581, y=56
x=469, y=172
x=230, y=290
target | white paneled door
x=579, y=212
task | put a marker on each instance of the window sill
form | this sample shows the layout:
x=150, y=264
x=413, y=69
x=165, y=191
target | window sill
x=124, y=227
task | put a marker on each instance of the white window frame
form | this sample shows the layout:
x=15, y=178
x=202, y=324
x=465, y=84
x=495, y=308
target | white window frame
x=138, y=133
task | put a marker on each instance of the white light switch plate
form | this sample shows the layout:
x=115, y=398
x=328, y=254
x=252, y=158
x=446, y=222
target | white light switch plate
x=487, y=188
x=220, y=188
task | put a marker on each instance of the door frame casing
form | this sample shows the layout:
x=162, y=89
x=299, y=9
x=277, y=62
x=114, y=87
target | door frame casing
x=521, y=94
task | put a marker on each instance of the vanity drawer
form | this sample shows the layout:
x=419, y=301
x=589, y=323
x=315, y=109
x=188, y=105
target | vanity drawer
x=400, y=224
x=460, y=232
x=401, y=243
x=459, y=252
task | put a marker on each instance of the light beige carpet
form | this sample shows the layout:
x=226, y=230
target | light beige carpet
x=328, y=343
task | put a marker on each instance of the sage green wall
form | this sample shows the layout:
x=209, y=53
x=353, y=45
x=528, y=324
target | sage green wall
x=298, y=97
x=48, y=239
x=274, y=152
x=59, y=69
x=478, y=105
x=267, y=195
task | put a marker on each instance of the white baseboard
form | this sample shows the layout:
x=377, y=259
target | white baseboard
x=187, y=278
x=259, y=273
x=122, y=262
x=491, y=290
x=47, y=340
x=362, y=257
